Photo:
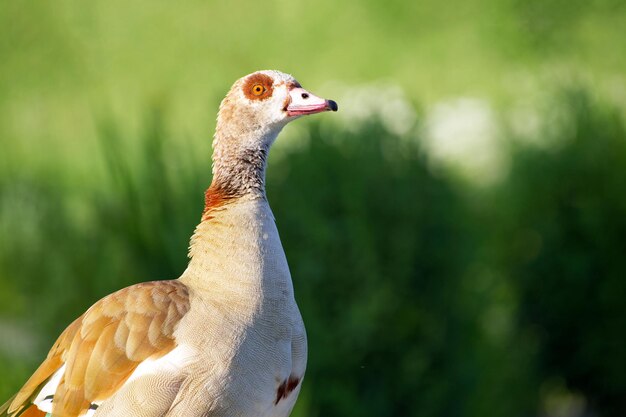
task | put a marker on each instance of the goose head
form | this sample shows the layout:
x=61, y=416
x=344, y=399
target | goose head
x=260, y=104
x=250, y=118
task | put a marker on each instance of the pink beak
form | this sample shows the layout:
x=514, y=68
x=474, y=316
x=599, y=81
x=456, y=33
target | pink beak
x=302, y=102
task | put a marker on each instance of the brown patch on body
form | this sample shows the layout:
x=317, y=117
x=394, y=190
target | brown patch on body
x=214, y=197
x=258, y=86
x=287, y=386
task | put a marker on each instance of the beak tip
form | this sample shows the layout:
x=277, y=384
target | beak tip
x=332, y=105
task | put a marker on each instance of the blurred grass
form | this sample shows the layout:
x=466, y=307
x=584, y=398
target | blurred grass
x=425, y=291
x=62, y=60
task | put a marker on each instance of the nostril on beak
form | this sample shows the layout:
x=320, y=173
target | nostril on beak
x=305, y=96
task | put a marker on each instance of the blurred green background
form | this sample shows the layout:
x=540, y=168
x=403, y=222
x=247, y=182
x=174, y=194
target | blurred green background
x=456, y=233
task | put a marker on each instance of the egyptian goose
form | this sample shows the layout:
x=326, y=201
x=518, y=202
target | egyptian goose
x=226, y=338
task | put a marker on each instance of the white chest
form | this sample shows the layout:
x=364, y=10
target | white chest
x=244, y=322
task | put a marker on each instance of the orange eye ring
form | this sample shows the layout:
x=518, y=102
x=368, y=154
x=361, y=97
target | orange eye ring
x=258, y=89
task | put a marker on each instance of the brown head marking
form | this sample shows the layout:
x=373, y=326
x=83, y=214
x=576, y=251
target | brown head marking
x=258, y=86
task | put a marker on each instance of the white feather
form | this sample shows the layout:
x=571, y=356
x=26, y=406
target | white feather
x=43, y=401
x=174, y=361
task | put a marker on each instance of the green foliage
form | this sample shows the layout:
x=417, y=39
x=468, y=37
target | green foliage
x=420, y=297
x=565, y=221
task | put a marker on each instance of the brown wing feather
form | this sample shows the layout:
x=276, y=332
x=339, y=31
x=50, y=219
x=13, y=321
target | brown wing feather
x=49, y=366
x=33, y=411
x=103, y=347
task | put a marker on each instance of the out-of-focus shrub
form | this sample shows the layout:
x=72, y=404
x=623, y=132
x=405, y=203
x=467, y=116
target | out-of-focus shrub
x=562, y=240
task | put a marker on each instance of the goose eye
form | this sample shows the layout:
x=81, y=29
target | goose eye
x=258, y=89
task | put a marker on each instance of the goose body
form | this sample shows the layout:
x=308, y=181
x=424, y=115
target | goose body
x=226, y=338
